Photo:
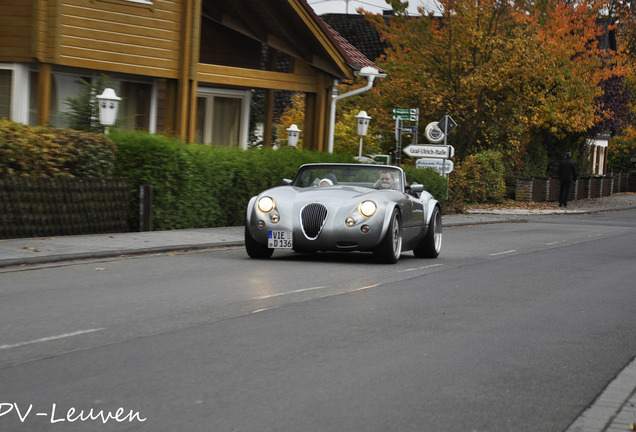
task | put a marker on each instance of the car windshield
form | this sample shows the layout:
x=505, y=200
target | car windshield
x=367, y=176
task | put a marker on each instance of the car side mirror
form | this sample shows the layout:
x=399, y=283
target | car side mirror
x=415, y=189
x=287, y=182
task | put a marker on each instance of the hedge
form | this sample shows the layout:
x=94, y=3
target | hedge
x=50, y=152
x=202, y=186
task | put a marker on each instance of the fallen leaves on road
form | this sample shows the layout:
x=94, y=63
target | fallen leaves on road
x=30, y=248
x=512, y=204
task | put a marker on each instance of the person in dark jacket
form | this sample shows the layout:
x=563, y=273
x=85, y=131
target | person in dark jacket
x=567, y=174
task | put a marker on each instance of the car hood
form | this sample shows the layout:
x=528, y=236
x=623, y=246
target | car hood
x=325, y=194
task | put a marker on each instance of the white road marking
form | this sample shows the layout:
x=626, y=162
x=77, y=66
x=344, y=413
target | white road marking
x=289, y=292
x=503, y=253
x=421, y=268
x=50, y=338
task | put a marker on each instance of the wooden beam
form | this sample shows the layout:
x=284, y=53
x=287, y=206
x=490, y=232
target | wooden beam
x=268, y=118
x=44, y=94
x=252, y=78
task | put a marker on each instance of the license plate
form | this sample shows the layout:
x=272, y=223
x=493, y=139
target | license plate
x=280, y=240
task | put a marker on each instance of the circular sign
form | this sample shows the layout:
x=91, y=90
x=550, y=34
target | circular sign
x=434, y=133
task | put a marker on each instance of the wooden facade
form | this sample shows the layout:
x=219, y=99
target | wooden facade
x=182, y=47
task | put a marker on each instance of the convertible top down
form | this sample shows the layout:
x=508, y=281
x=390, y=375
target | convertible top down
x=345, y=207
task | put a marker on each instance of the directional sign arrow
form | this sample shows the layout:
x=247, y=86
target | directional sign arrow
x=432, y=151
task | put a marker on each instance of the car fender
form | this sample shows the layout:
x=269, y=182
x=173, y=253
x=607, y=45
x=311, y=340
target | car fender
x=432, y=203
x=388, y=211
x=249, y=211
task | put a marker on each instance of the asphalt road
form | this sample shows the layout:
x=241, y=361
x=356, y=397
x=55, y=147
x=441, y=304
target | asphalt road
x=514, y=327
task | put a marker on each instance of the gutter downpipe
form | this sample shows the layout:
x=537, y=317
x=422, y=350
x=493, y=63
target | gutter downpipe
x=370, y=75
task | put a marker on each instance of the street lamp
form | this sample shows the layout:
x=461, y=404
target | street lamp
x=363, y=125
x=368, y=72
x=293, y=133
x=108, y=103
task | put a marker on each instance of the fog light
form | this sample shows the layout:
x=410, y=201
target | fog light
x=260, y=223
x=350, y=222
x=365, y=228
x=275, y=218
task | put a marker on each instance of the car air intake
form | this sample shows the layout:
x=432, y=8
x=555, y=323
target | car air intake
x=312, y=219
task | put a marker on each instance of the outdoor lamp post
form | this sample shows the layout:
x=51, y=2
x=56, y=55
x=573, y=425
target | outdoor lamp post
x=363, y=125
x=293, y=133
x=108, y=103
x=368, y=72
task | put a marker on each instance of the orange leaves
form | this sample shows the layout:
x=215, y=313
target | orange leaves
x=502, y=70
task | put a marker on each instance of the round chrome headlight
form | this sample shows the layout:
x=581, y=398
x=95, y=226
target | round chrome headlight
x=266, y=204
x=367, y=208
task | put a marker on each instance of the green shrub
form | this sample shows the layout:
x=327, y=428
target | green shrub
x=49, y=152
x=433, y=182
x=198, y=185
x=620, y=153
x=478, y=179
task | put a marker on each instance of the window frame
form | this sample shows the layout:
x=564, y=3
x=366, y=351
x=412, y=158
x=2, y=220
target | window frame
x=20, y=91
x=209, y=93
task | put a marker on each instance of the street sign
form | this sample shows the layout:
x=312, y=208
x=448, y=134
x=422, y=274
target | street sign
x=405, y=111
x=408, y=114
x=432, y=151
x=408, y=129
x=406, y=117
x=446, y=124
x=433, y=133
x=381, y=159
x=442, y=166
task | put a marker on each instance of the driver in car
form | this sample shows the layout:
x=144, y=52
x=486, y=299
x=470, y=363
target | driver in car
x=386, y=180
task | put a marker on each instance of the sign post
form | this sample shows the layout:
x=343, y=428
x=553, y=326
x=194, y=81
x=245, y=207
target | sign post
x=448, y=124
x=400, y=115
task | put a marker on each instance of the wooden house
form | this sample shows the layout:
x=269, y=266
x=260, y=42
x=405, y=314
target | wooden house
x=183, y=67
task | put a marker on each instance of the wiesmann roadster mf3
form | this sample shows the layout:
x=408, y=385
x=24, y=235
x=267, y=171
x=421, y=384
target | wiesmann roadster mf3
x=345, y=207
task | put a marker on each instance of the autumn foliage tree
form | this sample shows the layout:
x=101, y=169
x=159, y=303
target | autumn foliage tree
x=505, y=71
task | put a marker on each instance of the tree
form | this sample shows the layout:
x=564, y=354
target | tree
x=84, y=112
x=505, y=71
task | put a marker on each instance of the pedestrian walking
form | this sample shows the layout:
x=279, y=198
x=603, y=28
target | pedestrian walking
x=567, y=174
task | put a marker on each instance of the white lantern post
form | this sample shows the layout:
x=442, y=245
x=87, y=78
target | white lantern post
x=108, y=103
x=363, y=125
x=293, y=133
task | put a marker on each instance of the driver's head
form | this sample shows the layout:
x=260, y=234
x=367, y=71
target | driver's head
x=386, y=180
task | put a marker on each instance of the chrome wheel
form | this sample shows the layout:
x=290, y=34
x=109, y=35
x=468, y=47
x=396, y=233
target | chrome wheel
x=390, y=248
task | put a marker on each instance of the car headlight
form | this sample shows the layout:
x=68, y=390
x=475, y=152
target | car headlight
x=367, y=208
x=266, y=204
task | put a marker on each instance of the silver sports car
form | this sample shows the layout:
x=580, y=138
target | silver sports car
x=345, y=207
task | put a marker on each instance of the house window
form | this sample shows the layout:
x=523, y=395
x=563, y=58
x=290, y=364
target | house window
x=5, y=93
x=132, y=2
x=14, y=92
x=222, y=117
x=135, y=110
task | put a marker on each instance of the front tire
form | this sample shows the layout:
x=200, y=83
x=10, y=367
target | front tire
x=255, y=249
x=390, y=248
x=431, y=244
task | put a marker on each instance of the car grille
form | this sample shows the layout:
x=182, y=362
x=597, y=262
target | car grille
x=312, y=219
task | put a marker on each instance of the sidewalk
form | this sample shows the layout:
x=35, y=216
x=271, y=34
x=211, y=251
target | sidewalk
x=38, y=250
